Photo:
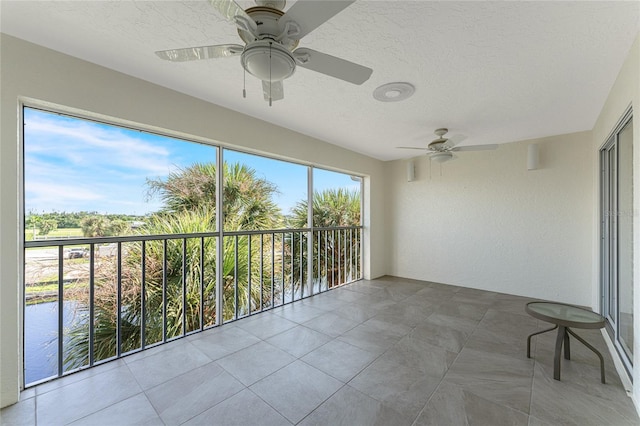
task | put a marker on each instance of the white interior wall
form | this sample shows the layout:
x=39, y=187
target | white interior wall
x=625, y=93
x=31, y=71
x=484, y=221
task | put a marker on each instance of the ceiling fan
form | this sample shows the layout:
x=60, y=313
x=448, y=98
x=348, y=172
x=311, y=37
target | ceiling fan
x=270, y=37
x=441, y=149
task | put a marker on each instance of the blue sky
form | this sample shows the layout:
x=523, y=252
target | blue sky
x=79, y=165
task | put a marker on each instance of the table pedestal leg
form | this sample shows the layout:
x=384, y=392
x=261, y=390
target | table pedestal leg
x=567, y=345
x=562, y=336
x=533, y=334
x=592, y=349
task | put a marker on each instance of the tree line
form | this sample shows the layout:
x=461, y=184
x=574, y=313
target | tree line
x=93, y=224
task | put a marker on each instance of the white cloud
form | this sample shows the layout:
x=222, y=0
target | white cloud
x=92, y=142
x=54, y=192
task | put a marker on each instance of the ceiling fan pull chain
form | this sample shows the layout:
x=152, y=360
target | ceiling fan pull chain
x=270, y=43
x=244, y=84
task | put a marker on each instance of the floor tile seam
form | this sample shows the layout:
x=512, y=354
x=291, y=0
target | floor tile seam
x=521, y=314
x=497, y=354
x=206, y=409
x=375, y=354
x=359, y=371
x=75, y=419
x=236, y=350
x=440, y=346
x=422, y=373
x=297, y=321
x=268, y=375
x=363, y=293
x=264, y=338
x=479, y=395
x=573, y=386
x=142, y=392
x=481, y=319
x=317, y=331
x=255, y=317
x=267, y=402
x=76, y=373
x=142, y=389
x=431, y=396
x=175, y=377
x=397, y=339
x=346, y=331
x=212, y=339
x=35, y=408
x=318, y=406
x=282, y=414
x=37, y=396
x=328, y=374
x=16, y=406
x=578, y=387
x=446, y=372
x=182, y=339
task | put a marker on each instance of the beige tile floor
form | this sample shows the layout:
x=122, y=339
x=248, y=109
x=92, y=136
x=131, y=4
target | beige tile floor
x=383, y=352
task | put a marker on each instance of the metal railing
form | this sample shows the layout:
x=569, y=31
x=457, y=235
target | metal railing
x=113, y=296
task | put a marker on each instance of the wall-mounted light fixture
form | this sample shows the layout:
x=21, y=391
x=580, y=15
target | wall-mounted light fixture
x=411, y=171
x=533, y=156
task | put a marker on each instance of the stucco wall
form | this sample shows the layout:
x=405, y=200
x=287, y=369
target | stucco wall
x=30, y=71
x=484, y=221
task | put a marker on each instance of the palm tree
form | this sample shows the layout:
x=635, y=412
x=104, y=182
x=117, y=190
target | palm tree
x=189, y=197
x=118, y=227
x=95, y=226
x=335, y=207
x=247, y=199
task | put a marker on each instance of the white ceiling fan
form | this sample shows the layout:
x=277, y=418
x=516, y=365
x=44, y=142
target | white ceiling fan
x=441, y=149
x=270, y=37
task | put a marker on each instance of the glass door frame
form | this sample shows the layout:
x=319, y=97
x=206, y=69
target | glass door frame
x=609, y=162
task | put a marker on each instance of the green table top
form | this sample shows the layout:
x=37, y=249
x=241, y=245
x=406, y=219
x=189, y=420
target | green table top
x=566, y=315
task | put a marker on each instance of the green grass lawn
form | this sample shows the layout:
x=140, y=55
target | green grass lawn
x=53, y=287
x=66, y=232
x=58, y=233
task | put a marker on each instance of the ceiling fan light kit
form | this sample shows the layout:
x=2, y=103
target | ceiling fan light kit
x=270, y=36
x=268, y=61
x=441, y=157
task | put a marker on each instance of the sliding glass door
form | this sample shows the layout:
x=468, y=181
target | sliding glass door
x=616, y=161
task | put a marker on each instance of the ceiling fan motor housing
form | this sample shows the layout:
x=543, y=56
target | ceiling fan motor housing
x=267, y=20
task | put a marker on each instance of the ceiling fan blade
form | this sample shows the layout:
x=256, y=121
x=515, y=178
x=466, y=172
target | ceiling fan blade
x=455, y=140
x=413, y=147
x=310, y=14
x=230, y=10
x=273, y=90
x=332, y=66
x=202, y=52
x=475, y=148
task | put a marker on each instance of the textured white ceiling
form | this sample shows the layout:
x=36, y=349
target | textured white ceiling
x=492, y=72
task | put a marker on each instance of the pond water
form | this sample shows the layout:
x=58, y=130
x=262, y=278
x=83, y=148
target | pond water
x=41, y=338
